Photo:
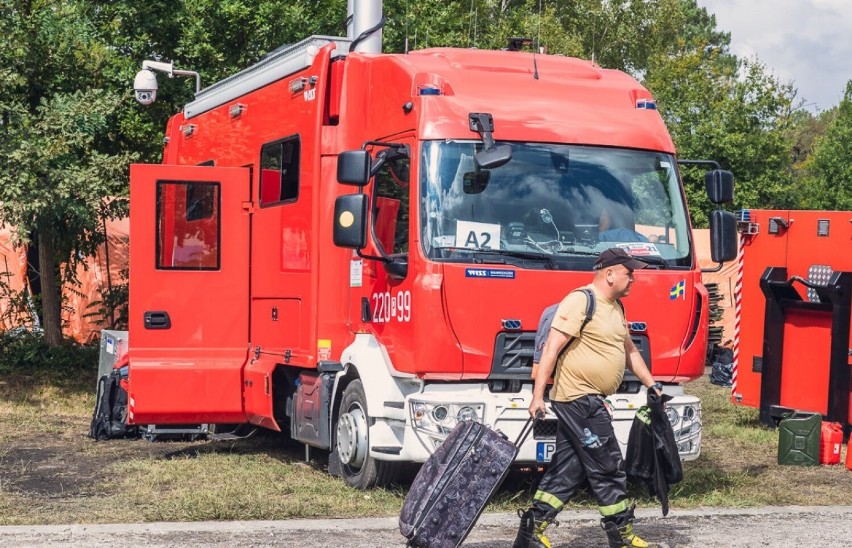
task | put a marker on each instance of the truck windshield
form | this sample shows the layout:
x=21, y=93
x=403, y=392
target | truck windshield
x=551, y=206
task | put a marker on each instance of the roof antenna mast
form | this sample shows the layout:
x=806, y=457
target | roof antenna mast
x=406, y=26
x=538, y=43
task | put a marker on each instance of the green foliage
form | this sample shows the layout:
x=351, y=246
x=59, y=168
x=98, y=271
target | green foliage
x=61, y=161
x=25, y=352
x=111, y=311
x=829, y=181
x=17, y=307
x=737, y=115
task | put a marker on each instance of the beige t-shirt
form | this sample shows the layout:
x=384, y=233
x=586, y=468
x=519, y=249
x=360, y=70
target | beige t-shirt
x=593, y=362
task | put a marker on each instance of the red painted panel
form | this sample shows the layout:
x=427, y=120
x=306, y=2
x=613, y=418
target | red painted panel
x=807, y=350
x=277, y=324
x=192, y=371
x=479, y=305
x=258, y=391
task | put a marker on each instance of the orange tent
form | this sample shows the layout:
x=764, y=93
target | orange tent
x=13, y=278
x=82, y=315
x=83, y=311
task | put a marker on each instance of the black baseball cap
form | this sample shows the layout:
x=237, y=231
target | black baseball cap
x=616, y=255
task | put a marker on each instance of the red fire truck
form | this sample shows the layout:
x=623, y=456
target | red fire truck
x=793, y=292
x=354, y=248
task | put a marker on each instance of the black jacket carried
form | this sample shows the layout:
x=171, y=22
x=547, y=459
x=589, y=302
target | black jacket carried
x=652, y=454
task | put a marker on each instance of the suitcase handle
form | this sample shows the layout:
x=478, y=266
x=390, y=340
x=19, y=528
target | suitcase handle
x=528, y=427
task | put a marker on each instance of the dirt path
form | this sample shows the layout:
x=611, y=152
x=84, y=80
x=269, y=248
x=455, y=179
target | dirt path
x=780, y=526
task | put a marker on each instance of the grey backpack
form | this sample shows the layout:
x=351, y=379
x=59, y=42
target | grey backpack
x=546, y=320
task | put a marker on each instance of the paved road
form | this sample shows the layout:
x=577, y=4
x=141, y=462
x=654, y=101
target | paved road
x=775, y=526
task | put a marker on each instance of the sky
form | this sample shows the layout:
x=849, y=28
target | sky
x=805, y=42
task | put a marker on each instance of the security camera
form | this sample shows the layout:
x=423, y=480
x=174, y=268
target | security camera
x=145, y=86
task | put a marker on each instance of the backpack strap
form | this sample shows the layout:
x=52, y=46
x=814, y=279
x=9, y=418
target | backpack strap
x=547, y=319
x=591, y=305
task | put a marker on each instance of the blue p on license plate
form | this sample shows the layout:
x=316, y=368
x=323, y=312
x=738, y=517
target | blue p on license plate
x=544, y=451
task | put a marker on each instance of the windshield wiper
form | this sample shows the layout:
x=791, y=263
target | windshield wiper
x=578, y=252
x=653, y=261
x=527, y=255
x=522, y=255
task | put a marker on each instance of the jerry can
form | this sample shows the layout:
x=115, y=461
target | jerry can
x=798, y=439
x=831, y=439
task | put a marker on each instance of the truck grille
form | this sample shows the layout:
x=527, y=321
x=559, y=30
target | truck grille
x=513, y=354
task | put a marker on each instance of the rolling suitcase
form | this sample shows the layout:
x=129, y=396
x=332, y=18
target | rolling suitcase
x=454, y=484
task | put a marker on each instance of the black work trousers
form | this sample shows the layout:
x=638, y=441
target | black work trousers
x=586, y=449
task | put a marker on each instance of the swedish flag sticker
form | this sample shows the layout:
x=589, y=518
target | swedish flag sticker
x=678, y=290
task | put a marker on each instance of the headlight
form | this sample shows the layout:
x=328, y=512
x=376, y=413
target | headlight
x=439, y=418
x=673, y=415
x=467, y=413
x=440, y=413
x=686, y=422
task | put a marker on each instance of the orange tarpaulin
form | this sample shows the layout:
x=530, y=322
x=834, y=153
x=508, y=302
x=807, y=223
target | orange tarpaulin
x=13, y=272
x=80, y=312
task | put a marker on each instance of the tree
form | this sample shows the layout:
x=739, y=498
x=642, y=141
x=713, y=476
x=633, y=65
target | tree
x=58, y=165
x=736, y=114
x=215, y=38
x=829, y=181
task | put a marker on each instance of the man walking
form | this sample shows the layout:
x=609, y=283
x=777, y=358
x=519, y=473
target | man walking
x=590, y=368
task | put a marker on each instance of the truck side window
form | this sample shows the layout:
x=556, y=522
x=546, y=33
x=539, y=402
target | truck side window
x=390, y=209
x=188, y=225
x=279, y=171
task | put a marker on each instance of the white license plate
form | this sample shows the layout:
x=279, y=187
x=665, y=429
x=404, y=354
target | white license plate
x=544, y=451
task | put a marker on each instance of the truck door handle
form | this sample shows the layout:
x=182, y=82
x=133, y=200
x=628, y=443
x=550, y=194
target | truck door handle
x=157, y=320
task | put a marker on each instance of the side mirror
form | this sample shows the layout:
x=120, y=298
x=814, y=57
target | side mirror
x=353, y=167
x=720, y=186
x=350, y=221
x=494, y=157
x=723, y=236
x=491, y=156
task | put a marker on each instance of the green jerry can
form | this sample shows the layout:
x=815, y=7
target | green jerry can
x=798, y=439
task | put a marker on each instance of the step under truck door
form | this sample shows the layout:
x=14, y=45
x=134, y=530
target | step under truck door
x=189, y=293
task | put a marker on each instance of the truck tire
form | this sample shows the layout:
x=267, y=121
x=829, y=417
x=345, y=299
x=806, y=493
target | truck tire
x=352, y=444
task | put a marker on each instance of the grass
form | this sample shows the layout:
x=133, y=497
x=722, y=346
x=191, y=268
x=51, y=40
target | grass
x=50, y=472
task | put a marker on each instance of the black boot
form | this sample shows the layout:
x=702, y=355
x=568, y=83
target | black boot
x=619, y=530
x=531, y=532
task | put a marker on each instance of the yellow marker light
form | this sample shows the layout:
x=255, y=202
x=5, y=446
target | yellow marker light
x=346, y=219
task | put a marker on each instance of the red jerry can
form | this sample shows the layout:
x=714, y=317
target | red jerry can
x=831, y=438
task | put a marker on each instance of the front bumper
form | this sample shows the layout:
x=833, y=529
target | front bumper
x=414, y=440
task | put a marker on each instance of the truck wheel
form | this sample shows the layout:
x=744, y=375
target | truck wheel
x=352, y=443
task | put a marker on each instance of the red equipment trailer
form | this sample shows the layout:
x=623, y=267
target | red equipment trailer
x=369, y=322
x=794, y=303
